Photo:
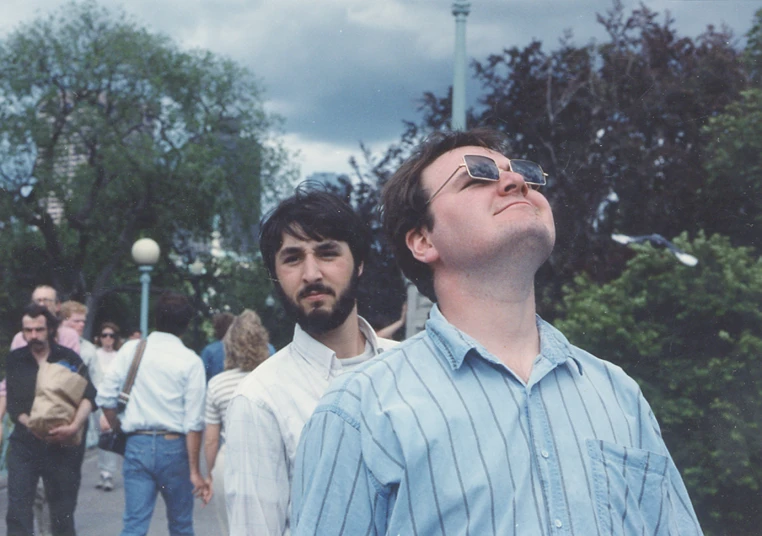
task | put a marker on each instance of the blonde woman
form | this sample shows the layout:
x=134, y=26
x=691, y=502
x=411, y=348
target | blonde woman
x=246, y=346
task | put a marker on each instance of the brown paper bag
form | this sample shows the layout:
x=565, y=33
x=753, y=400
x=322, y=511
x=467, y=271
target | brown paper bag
x=56, y=399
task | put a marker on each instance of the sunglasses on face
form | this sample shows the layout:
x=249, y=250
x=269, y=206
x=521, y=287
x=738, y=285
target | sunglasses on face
x=485, y=168
x=108, y=336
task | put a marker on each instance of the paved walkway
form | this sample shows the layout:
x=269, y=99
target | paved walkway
x=100, y=513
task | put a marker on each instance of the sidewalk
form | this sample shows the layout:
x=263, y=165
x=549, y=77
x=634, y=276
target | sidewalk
x=100, y=513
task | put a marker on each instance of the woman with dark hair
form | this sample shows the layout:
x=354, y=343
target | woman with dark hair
x=108, y=342
x=246, y=347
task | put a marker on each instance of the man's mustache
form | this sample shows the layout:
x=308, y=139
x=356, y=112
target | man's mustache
x=317, y=288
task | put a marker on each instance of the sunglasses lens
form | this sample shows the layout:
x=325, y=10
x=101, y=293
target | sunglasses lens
x=107, y=335
x=482, y=167
x=531, y=172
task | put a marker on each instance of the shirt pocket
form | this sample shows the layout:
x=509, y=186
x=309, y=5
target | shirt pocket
x=630, y=489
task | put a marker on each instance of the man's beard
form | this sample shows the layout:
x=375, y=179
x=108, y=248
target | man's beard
x=319, y=321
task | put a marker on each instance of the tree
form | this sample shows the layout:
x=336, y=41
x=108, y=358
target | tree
x=127, y=135
x=616, y=125
x=753, y=52
x=731, y=194
x=692, y=338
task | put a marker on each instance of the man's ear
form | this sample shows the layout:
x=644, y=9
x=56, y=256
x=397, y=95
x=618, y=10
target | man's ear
x=360, y=269
x=420, y=246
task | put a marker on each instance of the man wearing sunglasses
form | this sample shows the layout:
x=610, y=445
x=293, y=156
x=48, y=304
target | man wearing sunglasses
x=489, y=421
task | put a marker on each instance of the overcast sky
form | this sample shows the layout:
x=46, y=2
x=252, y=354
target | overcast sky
x=345, y=71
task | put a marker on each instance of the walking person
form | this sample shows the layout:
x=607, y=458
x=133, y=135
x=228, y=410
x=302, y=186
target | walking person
x=67, y=337
x=108, y=343
x=213, y=354
x=56, y=458
x=246, y=347
x=163, y=421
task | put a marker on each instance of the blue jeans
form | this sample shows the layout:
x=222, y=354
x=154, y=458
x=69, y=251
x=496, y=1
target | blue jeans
x=153, y=464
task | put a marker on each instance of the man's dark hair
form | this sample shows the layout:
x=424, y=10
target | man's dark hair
x=404, y=199
x=313, y=214
x=33, y=310
x=221, y=322
x=173, y=313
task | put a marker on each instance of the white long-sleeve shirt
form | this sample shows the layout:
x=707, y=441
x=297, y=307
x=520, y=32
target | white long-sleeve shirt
x=264, y=421
x=169, y=389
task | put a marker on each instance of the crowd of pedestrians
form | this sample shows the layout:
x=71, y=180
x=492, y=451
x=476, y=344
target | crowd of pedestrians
x=487, y=422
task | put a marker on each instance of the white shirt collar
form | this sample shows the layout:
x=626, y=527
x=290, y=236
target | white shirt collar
x=319, y=355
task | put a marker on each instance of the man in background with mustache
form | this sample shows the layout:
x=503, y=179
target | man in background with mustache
x=31, y=457
x=314, y=246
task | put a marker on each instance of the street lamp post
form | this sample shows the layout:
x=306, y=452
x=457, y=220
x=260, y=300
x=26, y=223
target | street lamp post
x=145, y=253
x=460, y=9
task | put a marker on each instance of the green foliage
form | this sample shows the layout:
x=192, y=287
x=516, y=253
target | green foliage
x=133, y=137
x=623, y=116
x=732, y=190
x=753, y=52
x=692, y=338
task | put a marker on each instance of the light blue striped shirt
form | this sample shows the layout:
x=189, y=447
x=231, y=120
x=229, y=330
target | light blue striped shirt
x=439, y=437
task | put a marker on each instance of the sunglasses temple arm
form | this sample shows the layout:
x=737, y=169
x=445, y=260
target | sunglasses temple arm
x=444, y=184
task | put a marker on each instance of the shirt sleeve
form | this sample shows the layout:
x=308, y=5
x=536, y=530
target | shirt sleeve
x=330, y=464
x=195, y=393
x=212, y=414
x=257, y=485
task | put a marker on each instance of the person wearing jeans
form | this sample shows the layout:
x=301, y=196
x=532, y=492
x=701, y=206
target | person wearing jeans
x=157, y=463
x=163, y=420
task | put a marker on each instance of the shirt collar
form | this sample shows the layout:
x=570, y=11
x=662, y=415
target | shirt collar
x=454, y=345
x=319, y=355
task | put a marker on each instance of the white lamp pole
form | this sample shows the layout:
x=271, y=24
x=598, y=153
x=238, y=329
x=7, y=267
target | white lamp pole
x=461, y=10
x=145, y=253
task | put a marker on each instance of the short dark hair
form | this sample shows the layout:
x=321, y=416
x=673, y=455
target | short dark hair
x=405, y=200
x=313, y=214
x=33, y=310
x=173, y=313
x=221, y=322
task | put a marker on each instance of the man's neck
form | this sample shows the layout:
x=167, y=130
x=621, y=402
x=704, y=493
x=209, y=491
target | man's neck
x=500, y=316
x=41, y=355
x=346, y=340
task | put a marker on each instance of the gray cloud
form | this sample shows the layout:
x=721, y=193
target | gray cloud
x=340, y=71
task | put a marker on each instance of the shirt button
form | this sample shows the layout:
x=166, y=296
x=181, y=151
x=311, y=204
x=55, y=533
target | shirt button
x=544, y=453
x=559, y=524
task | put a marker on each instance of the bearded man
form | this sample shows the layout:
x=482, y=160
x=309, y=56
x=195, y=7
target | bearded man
x=314, y=247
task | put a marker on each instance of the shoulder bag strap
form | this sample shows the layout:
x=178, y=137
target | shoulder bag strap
x=124, y=396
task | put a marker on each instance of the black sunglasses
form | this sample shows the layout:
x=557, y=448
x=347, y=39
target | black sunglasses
x=485, y=168
x=108, y=335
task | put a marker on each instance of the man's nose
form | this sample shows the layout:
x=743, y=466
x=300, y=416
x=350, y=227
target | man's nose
x=311, y=271
x=510, y=183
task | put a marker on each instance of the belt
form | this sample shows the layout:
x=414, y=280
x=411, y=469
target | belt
x=166, y=434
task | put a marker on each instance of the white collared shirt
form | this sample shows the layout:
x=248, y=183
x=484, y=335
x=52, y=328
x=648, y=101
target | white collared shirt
x=168, y=393
x=263, y=424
